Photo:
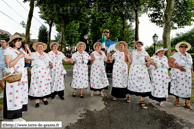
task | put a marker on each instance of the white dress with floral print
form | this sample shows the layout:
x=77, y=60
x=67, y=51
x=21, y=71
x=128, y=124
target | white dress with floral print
x=159, y=77
x=40, y=77
x=57, y=72
x=80, y=70
x=139, y=80
x=120, y=70
x=98, y=78
x=17, y=92
x=181, y=82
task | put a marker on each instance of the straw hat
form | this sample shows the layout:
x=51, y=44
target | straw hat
x=137, y=42
x=94, y=46
x=77, y=45
x=53, y=43
x=160, y=49
x=43, y=44
x=180, y=43
x=122, y=42
x=15, y=36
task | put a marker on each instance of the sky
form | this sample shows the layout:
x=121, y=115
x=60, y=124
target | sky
x=19, y=14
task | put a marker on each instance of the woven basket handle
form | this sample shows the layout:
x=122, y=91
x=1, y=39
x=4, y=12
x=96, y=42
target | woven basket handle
x=9, y=67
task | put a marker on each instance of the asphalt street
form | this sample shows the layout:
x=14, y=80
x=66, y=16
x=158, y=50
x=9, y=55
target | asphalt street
x=102, y=113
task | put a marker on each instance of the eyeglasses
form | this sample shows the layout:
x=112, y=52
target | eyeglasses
x=183, y=46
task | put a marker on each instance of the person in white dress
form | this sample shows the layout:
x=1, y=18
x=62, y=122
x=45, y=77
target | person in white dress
x=98, y=78
x=139, y=82
x=16, y=93
x=120, y=70
x=40, y=77
x=58, y=71
x=80, y=69
x=181, y=73
x=159, y=76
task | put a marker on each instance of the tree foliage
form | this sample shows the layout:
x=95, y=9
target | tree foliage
x=182, y=14
x=43, y=34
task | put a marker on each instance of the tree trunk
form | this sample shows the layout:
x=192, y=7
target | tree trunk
x=30, y=15
x=137, y=23
x=123, y=28
x=62, y=32
x=49, y=36
x=167, y=27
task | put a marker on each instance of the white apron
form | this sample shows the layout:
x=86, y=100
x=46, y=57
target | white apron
x=80, y=70
x=120, y=70
x=181, y=82
x=40, y=77
x=57, y=72
x=139, y=80
x=159, y=77
x=98, y=78
x=17, y=92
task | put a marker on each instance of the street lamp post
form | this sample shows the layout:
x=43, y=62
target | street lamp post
x=155, y=39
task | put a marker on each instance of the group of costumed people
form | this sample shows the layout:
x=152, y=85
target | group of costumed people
x=47, y=74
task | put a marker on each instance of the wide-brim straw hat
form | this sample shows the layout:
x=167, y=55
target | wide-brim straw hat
x=161, y=49
x=16, y=36
x=77, y=45
x=122, y=42
x=53, y=43
x=43, y=44
x=137, y=42
x=180, y=43
x=94, y=46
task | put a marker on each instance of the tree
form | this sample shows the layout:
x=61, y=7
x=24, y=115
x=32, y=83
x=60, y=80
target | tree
x=43, y=34
x=46, y=13
x=139, y=7
x=114, y=23
x=171, y=14
x=28, y=25
x=4, y=36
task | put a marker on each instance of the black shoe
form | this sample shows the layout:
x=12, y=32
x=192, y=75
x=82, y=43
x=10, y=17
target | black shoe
x=73, y=94
x=45, y=102
x=62, y=98
x=36, y=105
x=81, y=96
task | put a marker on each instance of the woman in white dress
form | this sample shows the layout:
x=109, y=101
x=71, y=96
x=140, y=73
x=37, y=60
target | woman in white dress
x=181, y=73
x=98, y=78
x=80, y=69
x=58, y=71
x=139, y=82
x=120, y=70
x=16, y=93
x=40, y=77
x=159, y=76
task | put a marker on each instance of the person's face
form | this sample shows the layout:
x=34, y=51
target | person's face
x=105, y=34
x=121, y=46
x=81, y=47
x=85, y=37
x=98, y=47
x=3, y=43
x=18, y=43
x=138, y=45
x=55, y=47
x=183, y=48
x=39, y=48
x=160, y=53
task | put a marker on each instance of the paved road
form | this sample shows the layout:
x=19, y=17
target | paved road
x=102, y=113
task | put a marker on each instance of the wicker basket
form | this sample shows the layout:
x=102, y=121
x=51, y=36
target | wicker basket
x=13, y=78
